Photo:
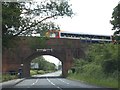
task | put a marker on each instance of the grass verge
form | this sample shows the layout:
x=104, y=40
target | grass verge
x=7, y=77
x=104, y=82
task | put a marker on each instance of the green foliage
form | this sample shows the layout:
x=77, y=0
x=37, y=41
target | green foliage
x=100, y=52
x=19, y=18
x=105, y=82
x=93, y=70
x=10, y=18
x=116, y=19
x=110, y=66
x=43, y=64
x=38, y=42
x=36, y=72
x=33, y=72
x=100, y=65
x=41, y=72
x=7, y=77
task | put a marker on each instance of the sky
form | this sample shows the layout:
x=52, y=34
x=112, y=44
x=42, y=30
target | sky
x=91, y=16
x=52, y=59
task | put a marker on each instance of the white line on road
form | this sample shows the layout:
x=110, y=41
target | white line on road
x=53, y=84
x=63, y=81
x=35, y=82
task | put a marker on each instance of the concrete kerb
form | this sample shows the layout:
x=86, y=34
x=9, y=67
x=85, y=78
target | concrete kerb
x=12, y=83
x=19, y=81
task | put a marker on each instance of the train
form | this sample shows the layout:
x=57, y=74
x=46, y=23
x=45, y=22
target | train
x=83, y=37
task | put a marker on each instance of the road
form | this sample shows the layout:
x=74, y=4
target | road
x=54, y=82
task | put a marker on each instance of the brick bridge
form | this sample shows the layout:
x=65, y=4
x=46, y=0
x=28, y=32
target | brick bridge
x=28, y=48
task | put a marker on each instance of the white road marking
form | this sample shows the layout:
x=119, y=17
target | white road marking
x=53, y=84
x=35, y=82
x=63, y=81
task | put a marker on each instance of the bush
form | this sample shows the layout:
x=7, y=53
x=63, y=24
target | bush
x=100, y=65
x=48, y=71
x=93, y=70
x=110, y=66
x=6, y=77
x=33, y=72
x=40, y=72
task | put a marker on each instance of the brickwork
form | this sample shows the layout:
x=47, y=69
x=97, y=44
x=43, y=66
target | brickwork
x=29, y=48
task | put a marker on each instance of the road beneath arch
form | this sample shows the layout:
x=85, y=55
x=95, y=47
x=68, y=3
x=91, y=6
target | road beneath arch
x=53, y=81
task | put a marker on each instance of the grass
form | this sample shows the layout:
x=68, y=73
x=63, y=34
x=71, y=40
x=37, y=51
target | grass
x=7, y=77
x=0, y=78
x=104, y=82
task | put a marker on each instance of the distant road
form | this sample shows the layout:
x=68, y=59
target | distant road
x=54, y=74
x=52, y=81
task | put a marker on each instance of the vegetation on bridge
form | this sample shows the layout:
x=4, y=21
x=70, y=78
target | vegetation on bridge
x=37, y=42
x=100, y=66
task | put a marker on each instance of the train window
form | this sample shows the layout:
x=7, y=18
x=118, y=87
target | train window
x=108, y=37
x=62, y=34
x=95, y=38
x=73, y=35
x=77, y=35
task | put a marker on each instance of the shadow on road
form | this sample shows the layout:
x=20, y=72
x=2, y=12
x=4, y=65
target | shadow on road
x=42, y=77
x=58, y=89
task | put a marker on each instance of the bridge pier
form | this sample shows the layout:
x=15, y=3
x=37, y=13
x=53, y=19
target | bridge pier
x=26, y=69
x=65, y=67
x=67, y=63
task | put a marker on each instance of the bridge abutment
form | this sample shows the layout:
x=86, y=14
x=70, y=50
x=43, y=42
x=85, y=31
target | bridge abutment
x=65, y=67
x=67, y=63
x=26, y=69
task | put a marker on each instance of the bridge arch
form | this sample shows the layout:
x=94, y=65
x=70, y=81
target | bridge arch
x=26, y=61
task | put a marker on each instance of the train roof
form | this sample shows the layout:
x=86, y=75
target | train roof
x=80, y=33
x=83, y=33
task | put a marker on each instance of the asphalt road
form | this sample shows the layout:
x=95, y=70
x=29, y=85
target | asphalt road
x=53, y=81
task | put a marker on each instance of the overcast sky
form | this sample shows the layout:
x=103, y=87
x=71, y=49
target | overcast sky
x=91, y=16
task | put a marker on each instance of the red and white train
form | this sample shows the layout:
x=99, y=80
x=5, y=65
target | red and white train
x=83, y=37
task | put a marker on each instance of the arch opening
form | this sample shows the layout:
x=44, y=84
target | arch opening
x=45, y=65
x=66, y=61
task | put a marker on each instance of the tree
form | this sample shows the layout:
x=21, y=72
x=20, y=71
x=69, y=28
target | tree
x=10, y=19
x=30, y=18
x=116, y=19
x=43, y=64
x=101, y=60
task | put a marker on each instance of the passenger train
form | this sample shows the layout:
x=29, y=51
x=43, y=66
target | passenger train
x=83, y=37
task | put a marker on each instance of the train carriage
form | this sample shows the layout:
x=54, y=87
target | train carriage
x=83, y=37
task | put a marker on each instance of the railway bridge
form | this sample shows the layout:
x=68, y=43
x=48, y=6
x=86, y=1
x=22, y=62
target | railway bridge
x=28, y=48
